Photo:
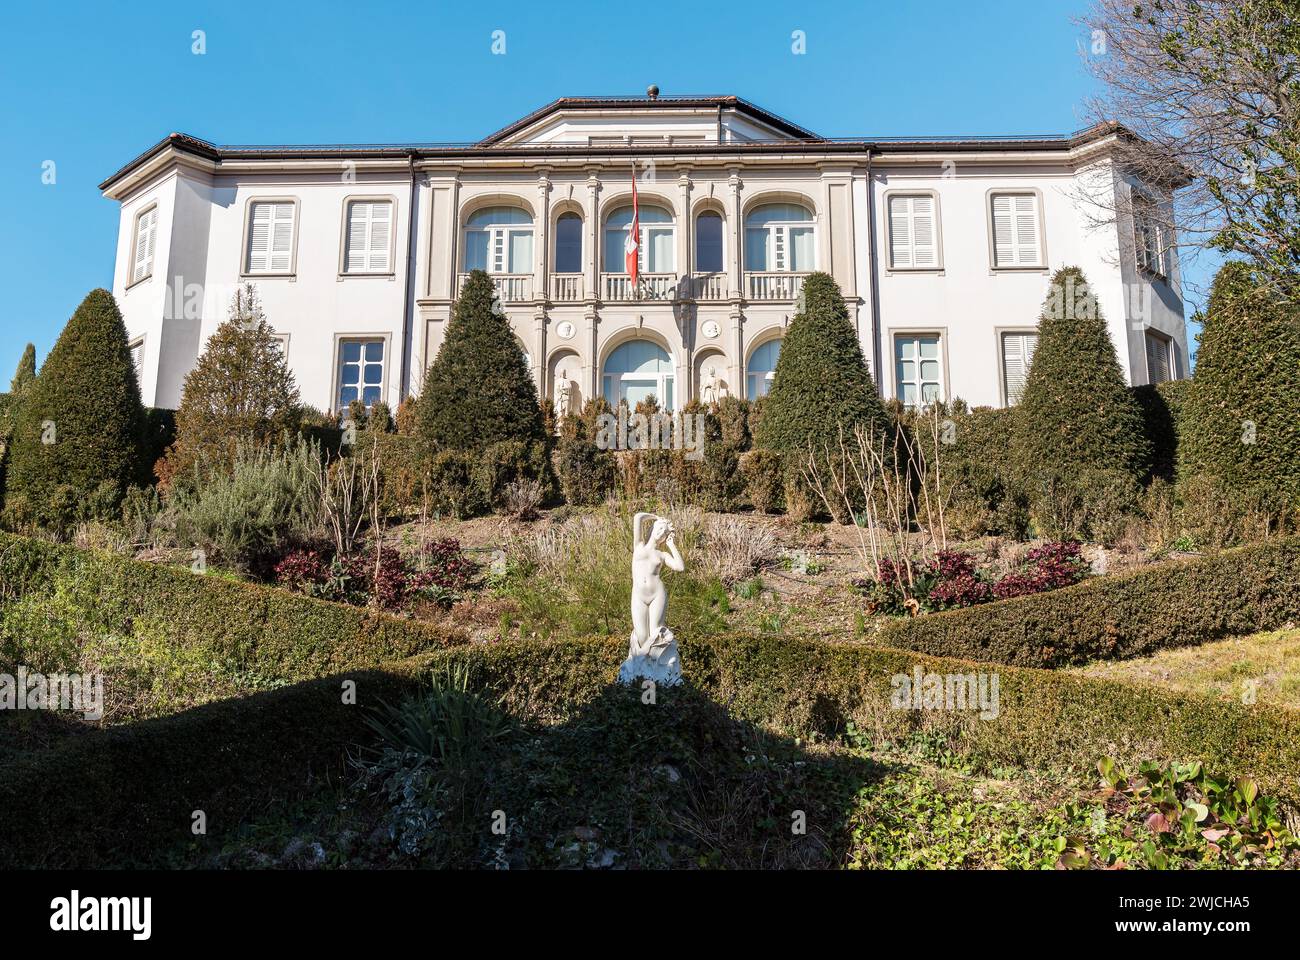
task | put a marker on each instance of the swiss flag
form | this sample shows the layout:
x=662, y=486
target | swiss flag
x=631, y=248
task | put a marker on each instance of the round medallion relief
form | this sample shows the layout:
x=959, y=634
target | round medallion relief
x=564, y=330
x=710, y=328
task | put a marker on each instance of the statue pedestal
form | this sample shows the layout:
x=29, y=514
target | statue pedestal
x=661, y=663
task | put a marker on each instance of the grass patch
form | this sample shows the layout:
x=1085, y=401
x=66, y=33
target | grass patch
x=1260, y=667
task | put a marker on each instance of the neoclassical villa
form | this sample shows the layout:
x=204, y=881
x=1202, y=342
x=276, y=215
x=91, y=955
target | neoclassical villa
x=943, y=248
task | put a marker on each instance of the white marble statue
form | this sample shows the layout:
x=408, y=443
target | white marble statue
x=563, y=395
x=652, y=650
x=709, y=389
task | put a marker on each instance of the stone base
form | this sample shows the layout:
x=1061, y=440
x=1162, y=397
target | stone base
x=662, y=664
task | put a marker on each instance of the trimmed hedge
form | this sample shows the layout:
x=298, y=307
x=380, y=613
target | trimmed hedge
x=1176, y=604
x=1162, y=410
x=262, y=629
x=126, y=795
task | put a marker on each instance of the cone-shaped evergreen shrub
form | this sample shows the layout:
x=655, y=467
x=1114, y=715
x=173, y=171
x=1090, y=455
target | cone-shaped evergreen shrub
x=821, y=381
x=1076, y=412
x=478, y=391
x=1240, y=423
x=79, y=427
x=239, y=394
x=26, y=373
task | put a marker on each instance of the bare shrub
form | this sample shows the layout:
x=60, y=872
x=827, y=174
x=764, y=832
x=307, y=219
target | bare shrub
x=522, y=498
x=733, y=550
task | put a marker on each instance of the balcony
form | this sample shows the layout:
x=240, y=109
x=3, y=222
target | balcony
x=511, y=287
x=709, y=286
x=617, y=287
x=773, y=286
x=566, y=287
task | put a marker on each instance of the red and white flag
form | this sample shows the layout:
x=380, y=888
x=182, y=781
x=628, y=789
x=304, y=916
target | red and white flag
x=632, y=247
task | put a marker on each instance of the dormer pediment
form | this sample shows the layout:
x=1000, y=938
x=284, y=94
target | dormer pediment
x=646, y=121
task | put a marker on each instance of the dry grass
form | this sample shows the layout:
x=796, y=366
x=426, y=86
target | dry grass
x=1263, y=665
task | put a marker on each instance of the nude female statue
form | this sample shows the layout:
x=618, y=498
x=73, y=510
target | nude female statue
x=650, y=635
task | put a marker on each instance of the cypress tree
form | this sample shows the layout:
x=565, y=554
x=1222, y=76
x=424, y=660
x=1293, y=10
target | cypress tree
x=821, y=381
x=26, y=372
x=1240, y=424
x=1076, y=412
x=241, y=392
x=478, y=390
x=79, y=427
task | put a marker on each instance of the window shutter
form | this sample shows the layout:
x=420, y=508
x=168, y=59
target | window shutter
x=1157, y=359
x=900, y=232
x=1016, y=230
x=913, y=238
x=1017, y=354
x=270, y=238
x=145, y=232
x=369, y=232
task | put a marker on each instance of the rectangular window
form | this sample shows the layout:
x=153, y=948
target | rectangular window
x=270, y=237
x=918, y=368
x=913, y=238
x=137, y=359
x=1150, y=238
x=369, y=237
x=361, y=372
x=1016, y=230
x=146, y=230
x=1160, y=365
x=708, y=243
x=1017, y=354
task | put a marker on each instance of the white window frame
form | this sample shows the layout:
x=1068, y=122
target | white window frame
x=555, y=242
x=1166, y=343
x=151, y=211
x=388, y=270
x=337, y=378
x=132, y=347
x=1040, y=263
x=695, y=247
x=935, y=228
x=778, y=238
x=662, y=379
x=916, y=335
x=647, y=229
x=499, y=237
x=1150, y=238
x=246, y=252
x=1002, y=334
x=768, y=376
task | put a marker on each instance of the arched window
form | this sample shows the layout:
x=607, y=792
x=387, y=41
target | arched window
x=656, y=249
x=499, y=240
x=779, y=237
x=762, y=369
x=708, y=242
x=636, y=370
x=568, y=243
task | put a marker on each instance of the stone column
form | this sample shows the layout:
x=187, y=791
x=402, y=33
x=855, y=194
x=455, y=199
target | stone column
x=737, y=234
x=591, y=256
x=541, y=237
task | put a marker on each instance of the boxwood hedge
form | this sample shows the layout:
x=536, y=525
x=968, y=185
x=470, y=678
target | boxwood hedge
x=126, y=795
x=1175, y=604
x=260, y=629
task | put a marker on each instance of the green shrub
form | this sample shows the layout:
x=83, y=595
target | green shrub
x=587, y=474
x=987, y=497
x=762, y=472
x=1241, y=428
x=1076, y=413
x=123, y=795
x=477, y=391
x=1175, y=604
x=80, y=423
x=508, y=461
x=404, y=469
x=241, y=393
x=1162, y=409
x=454, y=488
x=822, y=384
x=247, y=517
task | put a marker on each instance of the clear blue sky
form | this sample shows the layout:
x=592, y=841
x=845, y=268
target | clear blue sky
x=89, y=85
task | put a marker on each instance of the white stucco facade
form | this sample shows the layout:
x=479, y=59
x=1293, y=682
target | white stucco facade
x=358, y=252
